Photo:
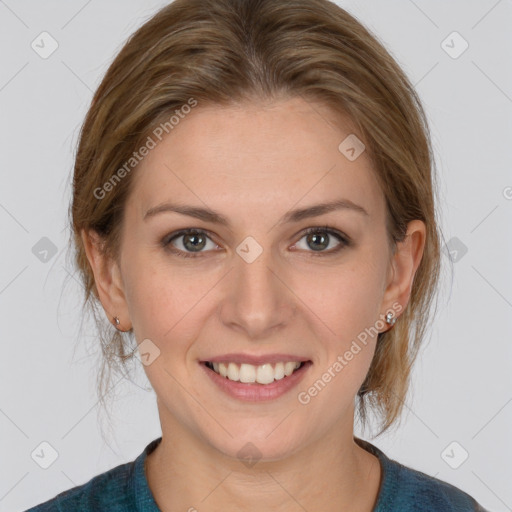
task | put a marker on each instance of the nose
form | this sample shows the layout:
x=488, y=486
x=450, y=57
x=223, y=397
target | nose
x=257, y=300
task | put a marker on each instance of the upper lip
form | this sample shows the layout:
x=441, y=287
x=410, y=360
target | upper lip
x=255, y=360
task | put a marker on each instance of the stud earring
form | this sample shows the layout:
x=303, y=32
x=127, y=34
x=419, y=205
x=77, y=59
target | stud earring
x=390, y=319
x=116, y=320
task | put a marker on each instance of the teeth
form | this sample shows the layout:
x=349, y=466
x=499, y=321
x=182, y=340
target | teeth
x=289, y=367
x=248, y=373
x=279, y=371
x=264, y=374
x=233, y=372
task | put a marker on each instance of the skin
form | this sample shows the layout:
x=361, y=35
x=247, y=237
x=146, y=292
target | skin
x=253, y=163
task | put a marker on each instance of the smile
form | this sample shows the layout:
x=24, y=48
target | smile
x=254, y=383
x=249, y=373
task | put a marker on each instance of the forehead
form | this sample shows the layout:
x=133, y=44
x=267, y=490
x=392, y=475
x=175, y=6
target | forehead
x=256, y=155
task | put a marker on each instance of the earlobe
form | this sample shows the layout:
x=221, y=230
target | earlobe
x=107, y=278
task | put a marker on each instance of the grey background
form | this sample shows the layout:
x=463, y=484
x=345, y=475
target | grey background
x=462, y=383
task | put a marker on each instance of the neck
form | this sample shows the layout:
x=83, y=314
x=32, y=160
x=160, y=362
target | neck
x=332, y=473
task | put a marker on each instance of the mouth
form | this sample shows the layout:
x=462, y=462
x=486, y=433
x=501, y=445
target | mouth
x=263, y=374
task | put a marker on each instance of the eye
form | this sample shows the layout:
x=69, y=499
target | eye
x=321, y=237
x=192, y=241
x=189, y=243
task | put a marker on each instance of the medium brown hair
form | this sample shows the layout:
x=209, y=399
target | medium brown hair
x=225, y=51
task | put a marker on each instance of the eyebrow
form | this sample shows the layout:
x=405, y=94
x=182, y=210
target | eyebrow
x=208, y=215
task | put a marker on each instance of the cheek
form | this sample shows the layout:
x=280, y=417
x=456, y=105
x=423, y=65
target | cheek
x=157, y=299
x=350, y=306
x=161, y=310
x=169, y=305
x=348, y=299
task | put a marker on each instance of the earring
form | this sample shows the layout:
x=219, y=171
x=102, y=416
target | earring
x=116, y=320
x=390, y=319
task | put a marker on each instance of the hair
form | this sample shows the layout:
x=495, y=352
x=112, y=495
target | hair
x=225, y=52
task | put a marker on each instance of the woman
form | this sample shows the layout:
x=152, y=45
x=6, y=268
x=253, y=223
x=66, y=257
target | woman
x=253, y=206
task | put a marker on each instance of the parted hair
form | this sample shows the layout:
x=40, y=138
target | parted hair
x=220, y=52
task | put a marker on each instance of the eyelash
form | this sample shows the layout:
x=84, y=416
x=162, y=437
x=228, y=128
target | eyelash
x=345, y=241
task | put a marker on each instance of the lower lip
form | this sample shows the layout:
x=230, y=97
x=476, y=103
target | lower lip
x=255, y=392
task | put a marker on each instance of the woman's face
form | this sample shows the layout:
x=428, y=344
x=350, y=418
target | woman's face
x=256, y=284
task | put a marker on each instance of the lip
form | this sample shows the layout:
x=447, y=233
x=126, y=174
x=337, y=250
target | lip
x=256, y=392
x=255, y=360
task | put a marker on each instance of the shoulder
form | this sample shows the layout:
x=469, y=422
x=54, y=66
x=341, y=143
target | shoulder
x=120, y=489
x=404, y=488
x=422, y=493
x=109, y=489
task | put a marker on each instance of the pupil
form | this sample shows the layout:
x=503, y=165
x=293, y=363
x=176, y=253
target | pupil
x=314, y=237
x=191, y=238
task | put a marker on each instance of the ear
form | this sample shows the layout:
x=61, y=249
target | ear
x=403, y=266
x=108, y=280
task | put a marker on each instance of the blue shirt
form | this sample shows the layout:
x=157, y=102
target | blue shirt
x=125, y=489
